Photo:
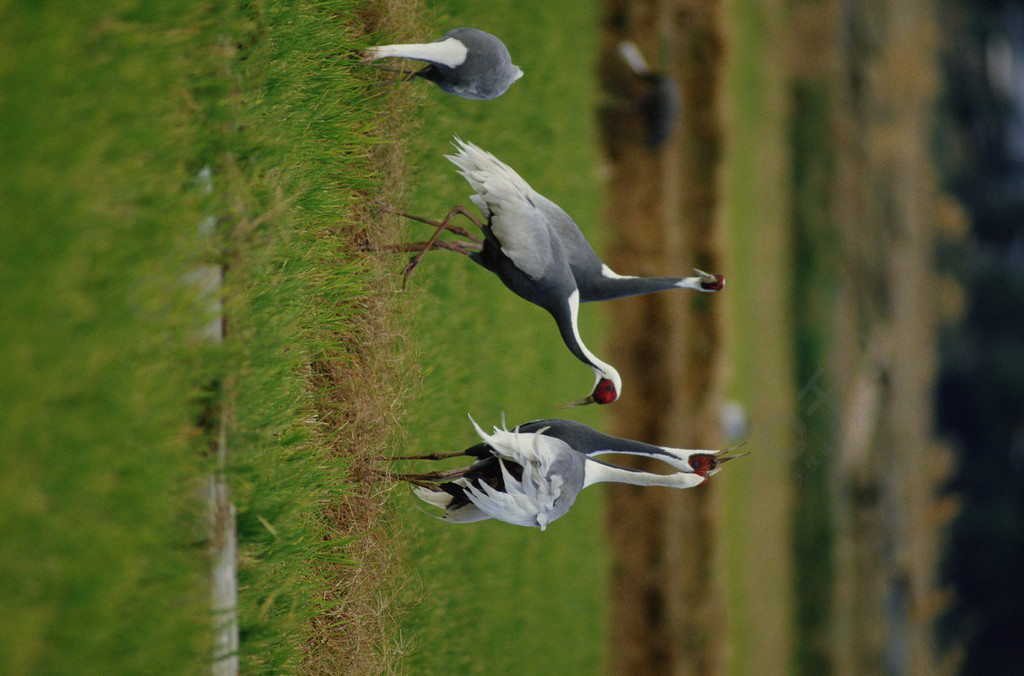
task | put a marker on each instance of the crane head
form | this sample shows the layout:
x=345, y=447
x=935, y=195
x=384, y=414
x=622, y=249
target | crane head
x=702, y=463
x=605, y=392
x=709, y=281
x=708, y=464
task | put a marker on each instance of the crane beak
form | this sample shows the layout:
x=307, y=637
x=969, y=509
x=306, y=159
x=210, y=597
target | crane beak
x=727, y=458
x=705, y=276
x=582, y=402
x=708, y=278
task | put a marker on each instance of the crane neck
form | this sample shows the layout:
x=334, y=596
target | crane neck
x=596, y=471
x=676, y=457
x=568, y=326
x=609, y=285
x=591, y=442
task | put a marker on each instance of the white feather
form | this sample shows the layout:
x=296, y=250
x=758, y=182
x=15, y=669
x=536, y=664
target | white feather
x=511, y=205
x=525, y=502
x=433, y=497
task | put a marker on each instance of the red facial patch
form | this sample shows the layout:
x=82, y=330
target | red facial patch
x=702, y=462
x=605, y=392
x=717, y=285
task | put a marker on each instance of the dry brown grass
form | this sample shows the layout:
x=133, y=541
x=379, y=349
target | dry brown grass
x=362, y=387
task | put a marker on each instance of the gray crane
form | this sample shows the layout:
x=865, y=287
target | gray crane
x=466, y=62
x=539, y=253
x=531, y=475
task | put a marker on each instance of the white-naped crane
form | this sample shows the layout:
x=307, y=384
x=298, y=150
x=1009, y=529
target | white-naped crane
x=531, y=475
x=466, y=62
x=660, y=104
x=539, y=253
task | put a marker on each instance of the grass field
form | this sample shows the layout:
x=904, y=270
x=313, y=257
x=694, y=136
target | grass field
x=100, y=516
x=109, y=114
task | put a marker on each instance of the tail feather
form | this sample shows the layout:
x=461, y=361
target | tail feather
x=493, y=180
x=466, y=513
x=433, y=497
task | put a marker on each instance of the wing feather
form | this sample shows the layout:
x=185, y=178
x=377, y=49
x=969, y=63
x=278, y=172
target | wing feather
x=512, y=208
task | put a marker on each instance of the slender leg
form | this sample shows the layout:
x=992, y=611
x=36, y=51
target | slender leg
x=444, y=224
x=421, y=248
x=420, y=482
x=428, y=456
x=415, y=260
x=458, y=247
x=434, y=242
x=435, y=477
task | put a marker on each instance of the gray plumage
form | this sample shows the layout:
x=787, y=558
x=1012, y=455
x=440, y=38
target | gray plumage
x=466, y=62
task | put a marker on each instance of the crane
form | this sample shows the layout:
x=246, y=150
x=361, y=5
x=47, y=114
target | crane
x=531, y=475
x=660, y=105
x=594, y=279
x=466, y=62
x=539, y=253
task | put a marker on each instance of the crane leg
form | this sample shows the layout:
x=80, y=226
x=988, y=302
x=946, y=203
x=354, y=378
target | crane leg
x=434, y=242
x=464, y=248
x=433, y=477
x=420, y=482
x=441, y=226
x=445, y=223
x=427, y=456
x=421, y=248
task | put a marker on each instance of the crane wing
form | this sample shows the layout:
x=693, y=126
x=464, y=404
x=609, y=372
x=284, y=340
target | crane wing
x=466, y=513
x=582, y=258
x=531, y=500
x=512, y=207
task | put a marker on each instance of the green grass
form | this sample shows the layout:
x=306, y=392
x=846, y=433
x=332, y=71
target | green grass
x=109, y=113
x=101, y=520
x=299, y=168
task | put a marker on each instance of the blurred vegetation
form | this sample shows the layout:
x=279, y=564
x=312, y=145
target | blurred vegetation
x=101, y=517
x=816, y=254
x=981, y=389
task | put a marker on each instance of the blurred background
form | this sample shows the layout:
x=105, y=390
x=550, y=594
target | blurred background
x=855, y=169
